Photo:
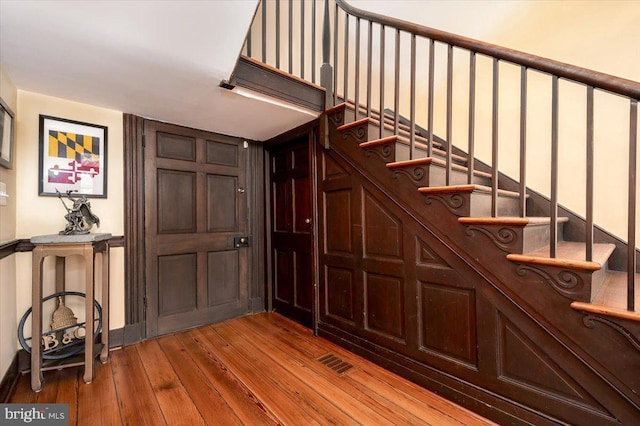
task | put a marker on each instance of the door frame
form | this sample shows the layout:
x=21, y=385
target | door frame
x=312, y=130
x=134, y=226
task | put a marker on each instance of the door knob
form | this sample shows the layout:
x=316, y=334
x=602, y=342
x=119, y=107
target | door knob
x=307, y=221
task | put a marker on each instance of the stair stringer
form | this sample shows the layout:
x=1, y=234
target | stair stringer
x=540, y=302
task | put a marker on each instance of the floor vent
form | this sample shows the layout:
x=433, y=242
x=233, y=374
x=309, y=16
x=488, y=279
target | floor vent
x=335, y=363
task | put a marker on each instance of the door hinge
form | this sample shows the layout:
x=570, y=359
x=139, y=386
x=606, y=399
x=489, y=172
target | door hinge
x=144, y=141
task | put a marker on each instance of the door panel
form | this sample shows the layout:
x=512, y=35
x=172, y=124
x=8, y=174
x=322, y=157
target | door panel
x=291, y=230
x=194, y=207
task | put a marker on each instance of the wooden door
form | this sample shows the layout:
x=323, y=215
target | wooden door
x=195, y=207
x=291, y=231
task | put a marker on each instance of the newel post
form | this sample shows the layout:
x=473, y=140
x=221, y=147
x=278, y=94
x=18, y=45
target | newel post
x=326, y=71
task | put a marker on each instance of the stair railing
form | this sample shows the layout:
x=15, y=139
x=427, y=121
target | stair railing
x=344, y=80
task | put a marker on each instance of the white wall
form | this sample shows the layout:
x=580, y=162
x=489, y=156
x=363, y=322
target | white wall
x=41, y=215
x=8, y=322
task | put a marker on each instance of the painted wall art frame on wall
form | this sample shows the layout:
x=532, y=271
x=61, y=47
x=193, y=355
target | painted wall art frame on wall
x=73, y=156
x=6, y=135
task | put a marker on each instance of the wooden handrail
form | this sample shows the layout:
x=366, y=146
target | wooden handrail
x=597, y=79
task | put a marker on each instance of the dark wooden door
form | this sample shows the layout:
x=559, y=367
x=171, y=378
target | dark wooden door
x=291, y=230
x=194, y=208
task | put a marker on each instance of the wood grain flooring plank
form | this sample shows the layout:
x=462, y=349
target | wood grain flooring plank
x=210, y=403
x=248, y=408
x=176, y=405
x=98, y=401
x=287, y=347
x=23, y=394
x=358, y=402
x=290, y=399
x=68, y=392
x=425, y=405
x=49, y=393
x=138, y=403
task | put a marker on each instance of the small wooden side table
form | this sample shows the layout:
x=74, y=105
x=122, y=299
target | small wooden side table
x=63, y=246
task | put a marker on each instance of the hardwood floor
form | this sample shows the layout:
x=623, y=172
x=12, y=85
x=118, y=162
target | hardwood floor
x=255, y=370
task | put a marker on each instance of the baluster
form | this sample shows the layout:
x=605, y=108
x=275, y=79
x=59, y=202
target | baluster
x=449, y=113
x=357, y=78
x=263, y=5
x=278, y=34
x=346, y=57
x=313, y=41
x=335, y=47
x=553, y=225
x=631, y=244
x=382, y=59
x=494, y=141
x=412, y=130
x=248, y=44
x=302, y=47
x=369, y=65
x=432, y=52
x=396, y=89
x=472, y=116
x=523, y=142
x=290, y=37
x=590, y=165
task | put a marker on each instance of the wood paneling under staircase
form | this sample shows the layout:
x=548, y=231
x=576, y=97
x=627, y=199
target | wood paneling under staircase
x=416, y=275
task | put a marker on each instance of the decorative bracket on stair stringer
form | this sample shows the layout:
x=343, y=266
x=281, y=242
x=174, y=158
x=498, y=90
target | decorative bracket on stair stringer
x=385, y=152
x=567, y=283
x=337, y=118
x=416, y=175
x=359, y=133
x=590, y=320
x=504, y=238
x=455, y=203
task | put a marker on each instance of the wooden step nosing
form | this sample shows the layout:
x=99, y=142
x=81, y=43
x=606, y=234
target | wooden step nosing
x=335, y=108
x=411, y=163
x=466, y=188
x=377, y=142
x=605, y=310
x=353, y=124
x=555, y=262
x=528, y=221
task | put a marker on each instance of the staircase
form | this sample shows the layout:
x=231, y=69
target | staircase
x=442, y=269
x=579, y=305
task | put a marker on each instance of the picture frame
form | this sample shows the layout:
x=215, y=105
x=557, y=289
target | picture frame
x=73, y=157
x=7, y=124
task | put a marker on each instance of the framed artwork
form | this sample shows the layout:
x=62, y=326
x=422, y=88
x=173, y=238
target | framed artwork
x=6, y=135
x=73, y=156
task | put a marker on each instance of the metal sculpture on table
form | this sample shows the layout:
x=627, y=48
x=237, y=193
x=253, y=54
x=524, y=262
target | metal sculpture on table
x=79, y=217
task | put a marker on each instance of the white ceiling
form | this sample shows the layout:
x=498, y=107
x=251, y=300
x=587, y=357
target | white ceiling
x=157, y=59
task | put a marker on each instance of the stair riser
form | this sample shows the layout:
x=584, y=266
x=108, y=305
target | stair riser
x=435, y=175
x=537, y=237
x=473, y=204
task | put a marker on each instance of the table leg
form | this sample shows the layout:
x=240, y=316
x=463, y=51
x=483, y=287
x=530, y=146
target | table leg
x=89, y=315
x=104, y=355
x=36, y=321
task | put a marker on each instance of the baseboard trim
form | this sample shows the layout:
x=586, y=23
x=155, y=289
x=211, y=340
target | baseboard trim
x=9, y=381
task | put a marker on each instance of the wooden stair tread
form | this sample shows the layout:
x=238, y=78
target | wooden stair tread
x=377, y=142
x=428, y=160
x=515, y=221
x=352, y=124
x=568, y=255
x=607, y=310
x=613, y=292
x=465, y=188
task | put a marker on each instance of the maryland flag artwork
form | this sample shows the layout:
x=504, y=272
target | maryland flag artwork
x=82, y=150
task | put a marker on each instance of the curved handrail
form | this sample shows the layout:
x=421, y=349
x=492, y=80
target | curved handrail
x=597, y=79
